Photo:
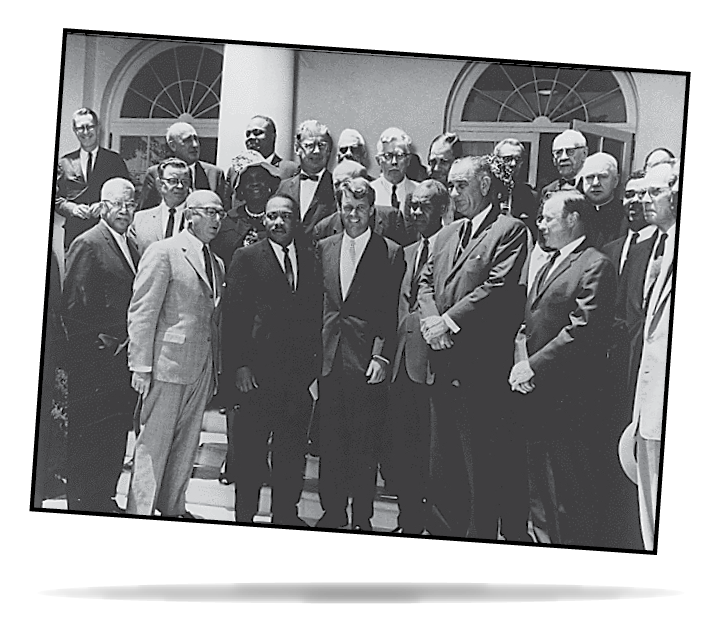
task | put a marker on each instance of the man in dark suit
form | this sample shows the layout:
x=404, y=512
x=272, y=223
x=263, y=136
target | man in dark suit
x=271, y=335
x=387, y=221
x=560, y=363
x=81, y=175
x=361, y=272
x=599, y=180
x=184, y=144
x=406, y=449
x=444, y=150
x=637, y=229
x=260, y=136
x=520, y=198
x=471, y=305
x=569, y=150
x=312, y=188
x=101, y=266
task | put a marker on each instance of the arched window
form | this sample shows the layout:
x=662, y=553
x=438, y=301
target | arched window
x=161, y=84
x=490, y=102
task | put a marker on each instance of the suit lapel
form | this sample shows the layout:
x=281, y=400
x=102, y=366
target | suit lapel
x=363, y=267
x=558, y=271
x=272, y=264
x=201, y=178
x=195, y=261
x=332, y=263
x=477, y=238
x=324, y=184
x=116, y=250
x=76, y=163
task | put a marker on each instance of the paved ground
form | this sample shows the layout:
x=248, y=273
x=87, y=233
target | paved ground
x=208, y=498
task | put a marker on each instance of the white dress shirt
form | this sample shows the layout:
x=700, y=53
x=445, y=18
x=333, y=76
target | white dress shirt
x=563, y=254
x=384, y=190
x=291, y=250
x=643, y=235
x=347, y=264
x=177, y=218
x=307, y=189
x=122, y=243
x=84, y=159
x=537, y=260
x=665, y=264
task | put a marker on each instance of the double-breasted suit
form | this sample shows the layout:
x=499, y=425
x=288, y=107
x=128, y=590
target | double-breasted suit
x=275, y=332
x=473, y=425
x=354, y=330
x=174, y=331
x=207, y=176
x=72, y=188
x=322, y=205
x=97, y=292
x=566, y=335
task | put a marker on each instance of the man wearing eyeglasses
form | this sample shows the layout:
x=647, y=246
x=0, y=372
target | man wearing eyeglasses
x=393, y=155
x=360, y=273
x=569, y=151
x=101, y=265
x=351, y=147
x=312, y=188
x=260, y=136
x=174, y=355
x=168, y=218
x=183, y=143
x=271, y=338
x=81, y=175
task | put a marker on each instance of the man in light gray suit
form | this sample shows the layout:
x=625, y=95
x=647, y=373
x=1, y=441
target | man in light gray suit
x=174, y=355
x=168, y=218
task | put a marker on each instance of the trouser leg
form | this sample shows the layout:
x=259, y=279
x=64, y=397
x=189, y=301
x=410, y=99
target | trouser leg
x=648, y=458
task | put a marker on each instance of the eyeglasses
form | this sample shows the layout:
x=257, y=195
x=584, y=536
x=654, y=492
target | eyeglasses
x=209, y=211
x=130, y=206
x=85, y=128
x=274, y=215
x=654, y=192
x=360, y=209
x=510, y=158
x=603, y=176
x=569, y=151
x=351, y=148
x=174, y=182
x=397, y=157
x=311, y=145
x=632, y=193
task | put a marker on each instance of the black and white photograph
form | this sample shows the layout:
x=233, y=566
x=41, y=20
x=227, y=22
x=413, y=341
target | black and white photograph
x=405, y=301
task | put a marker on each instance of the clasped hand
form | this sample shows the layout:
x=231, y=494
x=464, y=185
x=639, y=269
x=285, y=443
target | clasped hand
x=436, y=332
x=520, y=377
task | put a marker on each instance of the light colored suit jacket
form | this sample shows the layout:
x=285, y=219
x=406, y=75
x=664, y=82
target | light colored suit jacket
x=146, y=228
x=174, y=317
x=650, y=386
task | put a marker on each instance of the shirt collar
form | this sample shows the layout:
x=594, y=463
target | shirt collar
x=643, y=234
x=318, y=175
x=362, y=239
x=120, y=238
x=179, y=208
x=194, y=240
x=567, y=249
x=85, y=154
x=278, y=248
x=389, y=184
x=479, y=218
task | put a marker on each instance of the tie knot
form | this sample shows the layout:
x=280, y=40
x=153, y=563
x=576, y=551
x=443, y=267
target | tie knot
x=308, y=177
x=425, y=242
x=172, y=210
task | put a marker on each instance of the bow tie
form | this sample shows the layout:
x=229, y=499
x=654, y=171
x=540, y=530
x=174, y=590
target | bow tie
x=303, y=176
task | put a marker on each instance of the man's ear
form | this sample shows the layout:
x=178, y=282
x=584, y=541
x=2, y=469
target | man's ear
x=485, y=184
x=172, y=146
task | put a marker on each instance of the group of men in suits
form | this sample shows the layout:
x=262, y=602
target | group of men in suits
x=402, y=306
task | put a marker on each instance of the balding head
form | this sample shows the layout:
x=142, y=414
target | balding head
x=183, y=142
x=347, y=169
x=118, y=206
x=600, y=178
x=116, y=188
x=569, y=151
x=203, y=197
x=351, y=145
x=204, y=213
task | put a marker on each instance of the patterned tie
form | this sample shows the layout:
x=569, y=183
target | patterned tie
x=545, y=270
x=171, y=222
x=208, y=266
x=419, y=267
x=288, y=270
x=394, y=198
x=90, y=165
x=465, y=236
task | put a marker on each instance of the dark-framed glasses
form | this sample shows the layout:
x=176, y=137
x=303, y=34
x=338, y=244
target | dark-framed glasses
x=210, y=211
x=85, y=128
x=311, y=145
x=172, y=183
x=393, y=157
x=632, y=193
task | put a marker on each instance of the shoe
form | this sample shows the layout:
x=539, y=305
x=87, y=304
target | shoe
x=397, y=530
x=327, y=521
x=364, y=526
x=188, y=516
x=224, y=480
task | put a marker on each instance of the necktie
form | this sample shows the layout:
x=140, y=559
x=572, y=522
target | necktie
x=465, y=236
x=350, y=266
x=654, y=269
x=192, y=178
x=288, y=270
x=308, y=177
x=171, y=222
x=660, y=249
x=90, y=165
x=182, y=222
x=633, y=241
x=394, y=198
x=546, y=269
x=208, y=265
x=416, y=274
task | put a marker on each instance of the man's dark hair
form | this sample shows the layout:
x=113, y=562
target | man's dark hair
x=292, y=202
x=85, y=111
x=576, y=202
x=172, y=162
x=440, y=198
x=451, y=140
x=358, y=188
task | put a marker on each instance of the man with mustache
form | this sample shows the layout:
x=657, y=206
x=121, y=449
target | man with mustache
x=271, y=336
x=183, y=143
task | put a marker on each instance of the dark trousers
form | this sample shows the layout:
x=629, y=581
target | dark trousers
x=97, y=430
x=280, y=408
x=406, y=449
x=478, y=470
x=565, y=481
x=352, y=416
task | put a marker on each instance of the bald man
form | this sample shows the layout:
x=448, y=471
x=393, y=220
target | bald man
x=599, y=180
x=183, y=143
x=101, y=265
x=569, y=150
x=174, y=355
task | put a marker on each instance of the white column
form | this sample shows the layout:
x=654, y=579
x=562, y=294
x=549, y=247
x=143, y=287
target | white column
x=255, y=80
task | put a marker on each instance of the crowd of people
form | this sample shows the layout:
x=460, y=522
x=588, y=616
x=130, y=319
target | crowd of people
x=498, y=352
